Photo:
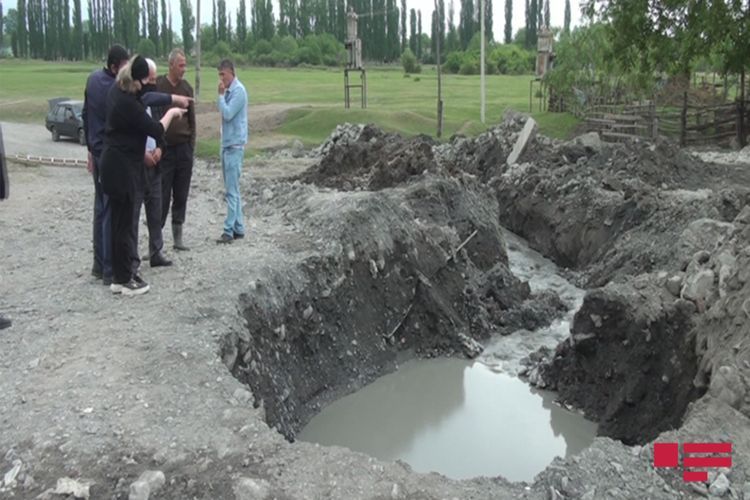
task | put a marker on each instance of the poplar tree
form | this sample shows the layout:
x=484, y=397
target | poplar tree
x=188, y=21
x=508, y=21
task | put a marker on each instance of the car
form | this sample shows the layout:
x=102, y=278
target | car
x=64, y=119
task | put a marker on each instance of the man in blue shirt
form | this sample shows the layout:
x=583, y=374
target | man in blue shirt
x=94, y=118
x=232, y=103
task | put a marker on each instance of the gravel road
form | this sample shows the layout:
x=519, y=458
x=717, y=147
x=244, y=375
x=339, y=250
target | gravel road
x=33, y=139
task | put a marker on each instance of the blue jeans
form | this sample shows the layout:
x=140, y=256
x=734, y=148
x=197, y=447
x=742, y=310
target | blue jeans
x=102, y=227
x=231, y=163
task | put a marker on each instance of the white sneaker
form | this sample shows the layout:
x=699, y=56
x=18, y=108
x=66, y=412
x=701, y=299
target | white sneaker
x=133, y=288
x=116, y=287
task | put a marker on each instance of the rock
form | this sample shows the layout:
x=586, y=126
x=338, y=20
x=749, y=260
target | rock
x=471, y=347
x=727, y=386
x=251, y=489
x=68, y=486
x=746, y=490
x=242, y=395
x=727, y=264
x=720, y=486
x=154, y=478
x=702, y=234
x=698, y=286
x=590, y=140
x=674, y=284
x=524, y=137
x=139, y=490
x=10, y=476
x=395, y=492
x=297, y=148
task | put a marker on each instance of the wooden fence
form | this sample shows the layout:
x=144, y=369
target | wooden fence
x=688, y=124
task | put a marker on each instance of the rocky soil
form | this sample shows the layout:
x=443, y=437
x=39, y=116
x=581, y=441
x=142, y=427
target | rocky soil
x=383, y=247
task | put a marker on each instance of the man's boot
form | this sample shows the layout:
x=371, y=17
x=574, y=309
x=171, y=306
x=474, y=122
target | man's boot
x=177, y=237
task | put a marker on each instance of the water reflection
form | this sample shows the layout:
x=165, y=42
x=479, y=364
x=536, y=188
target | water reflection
x=454, y=417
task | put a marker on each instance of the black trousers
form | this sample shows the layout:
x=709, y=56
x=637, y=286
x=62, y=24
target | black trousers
x=176, y=171
x=122, y=238
x=148, y=195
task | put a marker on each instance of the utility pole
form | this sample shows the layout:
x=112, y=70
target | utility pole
x=198, y=49
x=481, y=59
x=440, y=86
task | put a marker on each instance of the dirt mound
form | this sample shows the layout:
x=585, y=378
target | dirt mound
x=365, y=157
x=629, y=362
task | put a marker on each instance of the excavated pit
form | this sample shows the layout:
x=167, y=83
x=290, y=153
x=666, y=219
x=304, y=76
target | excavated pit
x=407, y=258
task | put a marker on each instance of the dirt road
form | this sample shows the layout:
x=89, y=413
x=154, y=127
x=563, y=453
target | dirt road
x=33, y=139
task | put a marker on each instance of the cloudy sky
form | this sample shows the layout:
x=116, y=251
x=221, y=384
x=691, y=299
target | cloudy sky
x=557, y=9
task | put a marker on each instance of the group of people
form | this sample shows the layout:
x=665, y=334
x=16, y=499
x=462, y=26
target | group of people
x=141, y=132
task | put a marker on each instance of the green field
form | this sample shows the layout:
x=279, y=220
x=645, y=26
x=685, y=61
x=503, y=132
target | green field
x=395, y=102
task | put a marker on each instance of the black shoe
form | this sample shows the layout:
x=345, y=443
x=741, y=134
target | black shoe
x=225, y=238
x=133, y=287
x=239, y=236
x=138, y=280
x=107, y=280
x=158, y=259
x=4, y=322
x=96, y=273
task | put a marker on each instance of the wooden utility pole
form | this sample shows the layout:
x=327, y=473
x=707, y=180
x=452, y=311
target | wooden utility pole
x=198, y=49
x=481, y=59
x=440, y=85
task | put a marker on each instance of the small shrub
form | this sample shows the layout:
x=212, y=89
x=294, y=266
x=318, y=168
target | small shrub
x=409, y=62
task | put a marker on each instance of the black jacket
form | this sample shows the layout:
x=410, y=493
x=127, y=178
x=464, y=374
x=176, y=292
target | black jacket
x=125, y=132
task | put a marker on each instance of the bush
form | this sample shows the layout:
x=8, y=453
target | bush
x=453, y=62
x=469, y=66
x=409, y=62
x=512, y=59
x=146, y=48
x=263, y=47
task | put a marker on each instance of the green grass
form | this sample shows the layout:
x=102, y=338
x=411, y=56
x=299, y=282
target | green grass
x=394, y=102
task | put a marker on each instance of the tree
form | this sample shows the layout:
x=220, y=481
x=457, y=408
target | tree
x=413, y=31
x=221, y=21
x=488, y=33
x=22, y=30
x=268, y=21
x=452, y=42
x=669, y=36
x=153, y=24
x=242, y=24
x=403, y=26
x=566, y=22
x=419, y=34
x=539, y=15
x=394, y=44
x=546, y=14
x=188, y=21
x=531, y=31
x=2, y=30
x=508, y=21
x=527, y=25
x=467, y=25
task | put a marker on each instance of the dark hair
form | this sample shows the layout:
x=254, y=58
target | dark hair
x=139, y=68
x=226, y=64
x=116, y=55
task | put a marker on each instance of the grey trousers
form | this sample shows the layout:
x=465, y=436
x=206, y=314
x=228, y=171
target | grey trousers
x=148, y=194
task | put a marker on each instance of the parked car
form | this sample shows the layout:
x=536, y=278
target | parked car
x=64, y=119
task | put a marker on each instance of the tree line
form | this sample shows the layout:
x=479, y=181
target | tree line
x=58, y=29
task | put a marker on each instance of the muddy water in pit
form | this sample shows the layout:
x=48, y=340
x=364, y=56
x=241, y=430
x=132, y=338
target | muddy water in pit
x=466, y=418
